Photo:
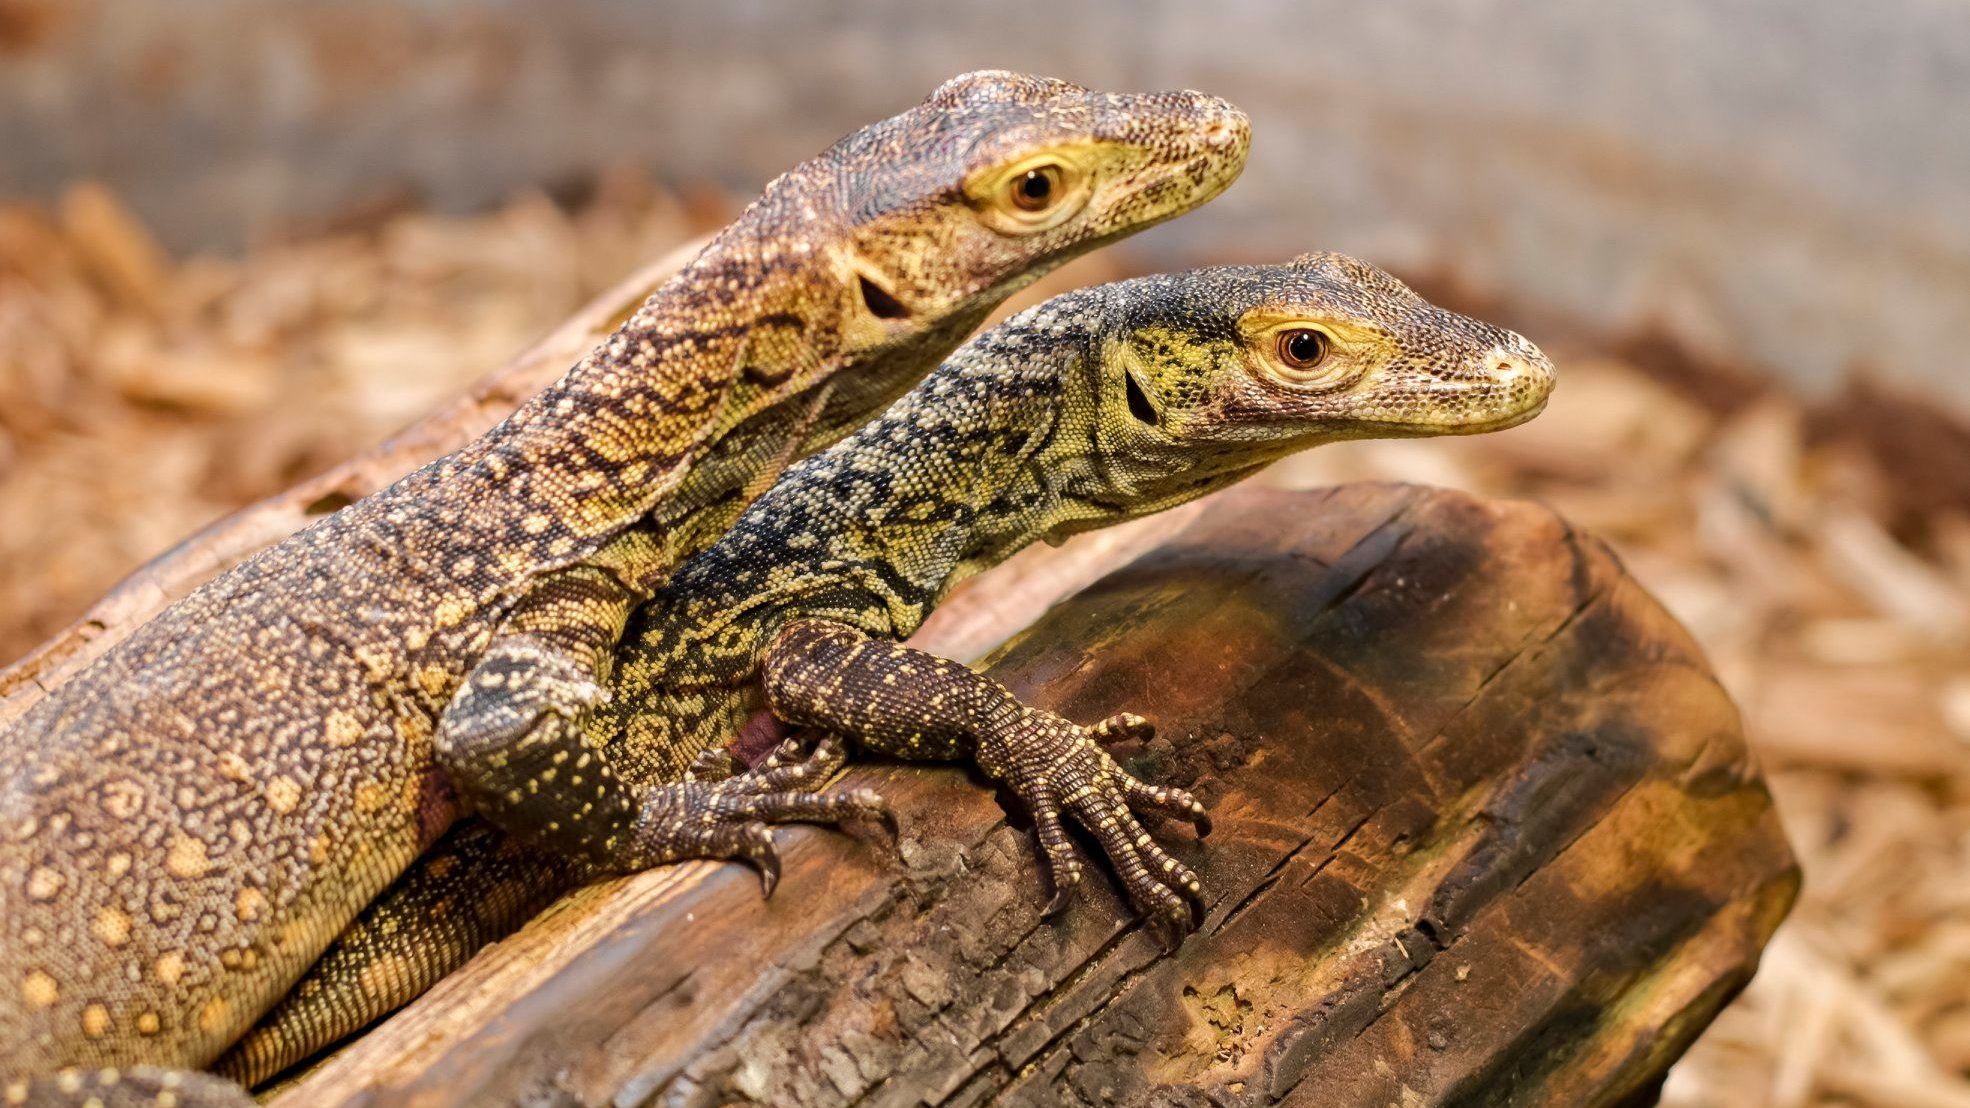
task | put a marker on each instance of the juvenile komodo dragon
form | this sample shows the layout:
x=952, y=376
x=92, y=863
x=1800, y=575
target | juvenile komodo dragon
x=188, y=823
x=1096, y=407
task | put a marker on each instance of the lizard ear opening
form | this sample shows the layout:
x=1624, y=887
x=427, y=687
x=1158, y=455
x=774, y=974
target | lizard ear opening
x=880, y=303
x=1139, y=403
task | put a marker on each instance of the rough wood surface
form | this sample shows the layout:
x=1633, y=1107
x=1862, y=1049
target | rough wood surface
x=1487, y=832
x=228, y=541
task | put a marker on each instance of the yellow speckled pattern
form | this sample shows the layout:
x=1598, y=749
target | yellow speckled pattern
x=188, y=823
x=1095, y=407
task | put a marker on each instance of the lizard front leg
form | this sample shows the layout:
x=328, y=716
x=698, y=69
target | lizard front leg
x=915, y=705
x=515, y=738
x=722, y=811
x=516, y=742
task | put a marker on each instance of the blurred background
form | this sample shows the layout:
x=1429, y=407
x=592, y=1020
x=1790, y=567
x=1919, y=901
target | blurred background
x=240, y=239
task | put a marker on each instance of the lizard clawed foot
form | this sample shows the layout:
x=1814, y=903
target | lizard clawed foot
x=729, y=816
x=1125, y=727
x=801, y=767
x=1060, y=769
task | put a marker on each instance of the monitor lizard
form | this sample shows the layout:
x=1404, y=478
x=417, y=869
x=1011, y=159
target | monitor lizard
x=187, y=823
x=1096, y=407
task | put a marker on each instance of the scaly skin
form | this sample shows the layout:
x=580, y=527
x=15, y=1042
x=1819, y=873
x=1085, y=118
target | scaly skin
x=1097, y=407
x=188, y=823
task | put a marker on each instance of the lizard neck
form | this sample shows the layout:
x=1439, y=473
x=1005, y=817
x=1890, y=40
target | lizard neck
x=730, y=339
x=995, y=449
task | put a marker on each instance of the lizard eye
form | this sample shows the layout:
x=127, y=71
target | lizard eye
x=1037, y=189
x=1032, y=195
x=1305, y=357
x=1302, y=348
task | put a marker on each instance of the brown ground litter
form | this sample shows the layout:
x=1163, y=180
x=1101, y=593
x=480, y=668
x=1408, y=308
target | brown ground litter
x=1820, y=552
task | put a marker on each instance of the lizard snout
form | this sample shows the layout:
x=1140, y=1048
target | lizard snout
x=1520, y=363
x=1228, y=129
x=1225, y=134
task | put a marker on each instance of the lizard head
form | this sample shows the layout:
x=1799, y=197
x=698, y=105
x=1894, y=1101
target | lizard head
x=940, y=213
x=1009, y=175
x=1205, y=376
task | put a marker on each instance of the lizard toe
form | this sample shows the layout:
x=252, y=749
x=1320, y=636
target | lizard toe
x=1122, y=727
x=762, y=855
x=1166, y=799
x=712, y=765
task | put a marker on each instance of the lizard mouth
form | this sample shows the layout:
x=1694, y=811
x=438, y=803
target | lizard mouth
x=1392, y=429
x=1530, y=408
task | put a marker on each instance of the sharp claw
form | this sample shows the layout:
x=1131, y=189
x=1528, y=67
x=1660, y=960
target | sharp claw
x=886, y=820
x=769, y=872
x=1061, y=898
x=1202, y=823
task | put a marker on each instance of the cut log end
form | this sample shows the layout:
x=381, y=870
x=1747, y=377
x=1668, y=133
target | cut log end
x=1486, y=831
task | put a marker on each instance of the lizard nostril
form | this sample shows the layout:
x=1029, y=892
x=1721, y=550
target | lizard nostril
x=1501, y=367
x=1226, y=133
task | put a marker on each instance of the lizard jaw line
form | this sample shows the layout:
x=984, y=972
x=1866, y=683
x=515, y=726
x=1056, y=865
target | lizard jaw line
x=1483, y=427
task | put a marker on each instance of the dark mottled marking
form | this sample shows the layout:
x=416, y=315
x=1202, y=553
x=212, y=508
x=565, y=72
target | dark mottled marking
x=1025, y=432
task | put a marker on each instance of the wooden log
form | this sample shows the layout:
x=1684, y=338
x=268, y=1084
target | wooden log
x=1487, y=832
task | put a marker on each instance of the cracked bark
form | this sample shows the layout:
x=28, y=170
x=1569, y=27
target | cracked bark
x=1487, y=832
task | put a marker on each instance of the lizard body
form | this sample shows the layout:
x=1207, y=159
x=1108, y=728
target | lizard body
x=186, y=824
x=1099, y=406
